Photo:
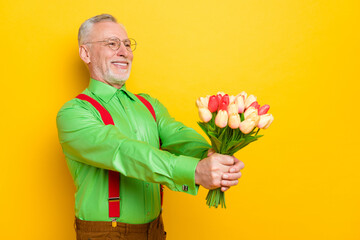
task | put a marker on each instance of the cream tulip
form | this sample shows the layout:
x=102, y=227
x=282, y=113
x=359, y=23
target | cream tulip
x=232, y=99
x=243, y=94
x=221, y=118
x=253, y=117
x=249, y=100
x=234, y=120
x=232, y=108
x=202, y=102
x=205, y=114
x=247, y=126
x=265, y=121
x=239, y=101
x=249, y=111
x=220, y=93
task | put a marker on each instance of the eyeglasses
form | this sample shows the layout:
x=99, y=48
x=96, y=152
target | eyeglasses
x=115, y=43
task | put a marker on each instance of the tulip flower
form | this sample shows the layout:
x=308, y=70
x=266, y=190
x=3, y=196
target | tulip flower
x=239, y=101
x=213, y=104
x=232, y=108
x=255, y=105
x=264, y=109
x=265, y=121
x=247, y=126
x=253, y=117
x=232, y=99
x=204, y=114
x=249, y=100
x=220, y=93
x=249, y=111
x=234, y=120
x=243, y=94
x=224, y=102
x=202, y=102
x=221, y=119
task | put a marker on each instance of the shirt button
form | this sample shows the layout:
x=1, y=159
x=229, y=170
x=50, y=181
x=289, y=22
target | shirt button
x=147, y=185
x=148, y=213
x=185, y=188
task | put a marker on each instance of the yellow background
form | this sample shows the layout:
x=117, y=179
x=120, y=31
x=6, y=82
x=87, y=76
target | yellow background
x=301, y=180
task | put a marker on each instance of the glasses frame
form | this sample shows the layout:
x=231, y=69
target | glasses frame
x=118, y=40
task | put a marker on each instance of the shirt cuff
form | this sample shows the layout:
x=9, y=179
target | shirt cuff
x=184, y=174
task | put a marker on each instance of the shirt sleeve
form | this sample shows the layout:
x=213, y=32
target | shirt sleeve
x=85, y=138
x=177, y=138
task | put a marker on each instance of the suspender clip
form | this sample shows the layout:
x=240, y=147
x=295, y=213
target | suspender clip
x=113, y=222
x=114, y=199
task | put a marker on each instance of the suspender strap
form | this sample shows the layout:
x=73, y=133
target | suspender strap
x=114, y=177
x=151, y=109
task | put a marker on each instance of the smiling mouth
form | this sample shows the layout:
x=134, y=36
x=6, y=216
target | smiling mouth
x=120, y=64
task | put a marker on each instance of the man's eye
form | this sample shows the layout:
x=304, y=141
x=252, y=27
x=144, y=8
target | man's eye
x=112, y=43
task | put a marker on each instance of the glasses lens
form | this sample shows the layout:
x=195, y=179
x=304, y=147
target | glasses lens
x=114, y=44
x=132, y=44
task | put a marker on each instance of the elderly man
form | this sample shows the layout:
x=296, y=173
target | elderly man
x=111, y=139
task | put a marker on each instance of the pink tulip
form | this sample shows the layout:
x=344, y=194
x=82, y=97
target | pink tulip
x=249, y=100
x=265, y=121
x=234, y=120
x=247, y=126
x=221, y=119
x=264, y=109
x=224, y=102
x=239, y=101
x=213, y=104
x=205, y=115
x=255, y=105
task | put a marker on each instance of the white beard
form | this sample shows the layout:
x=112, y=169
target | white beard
x=115, y=79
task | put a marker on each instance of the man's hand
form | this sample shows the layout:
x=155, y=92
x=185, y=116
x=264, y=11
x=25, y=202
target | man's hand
x=218, y=170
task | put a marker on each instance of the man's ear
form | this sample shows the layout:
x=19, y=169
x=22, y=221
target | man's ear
x=84, y=54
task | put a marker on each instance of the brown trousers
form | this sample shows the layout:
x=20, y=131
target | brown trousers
x=99, y=230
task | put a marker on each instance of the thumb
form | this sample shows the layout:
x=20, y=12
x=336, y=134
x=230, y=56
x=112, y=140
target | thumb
x=226, y=160
x=210, y=152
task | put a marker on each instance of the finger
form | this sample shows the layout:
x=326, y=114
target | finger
x=226, y=183
x=210, y=152
x=237, y=166
x=231, y=176
x=223, y=189
x=226, y=160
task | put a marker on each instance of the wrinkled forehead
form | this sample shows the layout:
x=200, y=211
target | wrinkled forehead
x=104, y=30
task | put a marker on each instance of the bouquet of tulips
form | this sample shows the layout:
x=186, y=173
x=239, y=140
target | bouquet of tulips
x=231, y=123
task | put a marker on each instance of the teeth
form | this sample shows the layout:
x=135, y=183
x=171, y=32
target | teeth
x=121, y=64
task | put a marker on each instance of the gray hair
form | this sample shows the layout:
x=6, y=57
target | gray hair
x=85, y=28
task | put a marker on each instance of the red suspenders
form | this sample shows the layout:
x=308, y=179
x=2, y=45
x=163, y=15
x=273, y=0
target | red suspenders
x=114, y=177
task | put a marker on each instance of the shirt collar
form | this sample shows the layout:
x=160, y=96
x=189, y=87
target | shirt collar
x=106, y=91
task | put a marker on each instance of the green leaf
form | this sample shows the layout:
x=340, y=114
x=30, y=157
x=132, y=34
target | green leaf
x=216, y=143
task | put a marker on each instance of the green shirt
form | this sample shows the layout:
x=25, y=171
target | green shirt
x=131, y=147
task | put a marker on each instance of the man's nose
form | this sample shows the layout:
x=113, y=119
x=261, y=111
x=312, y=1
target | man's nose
x=122, y=51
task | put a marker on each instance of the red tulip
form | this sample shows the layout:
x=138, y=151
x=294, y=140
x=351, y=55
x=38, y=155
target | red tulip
x=264, y=109
x=255, y=105
x=213, y=104
x=224, y=102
